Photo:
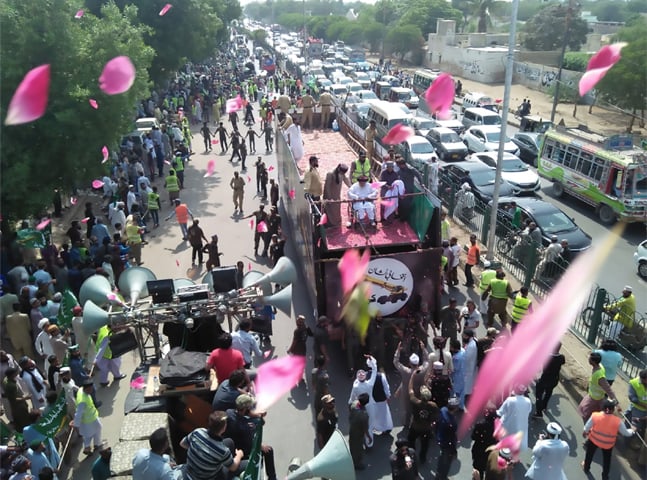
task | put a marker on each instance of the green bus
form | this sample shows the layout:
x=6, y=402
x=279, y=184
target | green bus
x=609, y=174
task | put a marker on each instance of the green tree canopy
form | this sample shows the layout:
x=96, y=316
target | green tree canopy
x=63, y=148
x=425, y=13
x=403, y=39
x=547, y=28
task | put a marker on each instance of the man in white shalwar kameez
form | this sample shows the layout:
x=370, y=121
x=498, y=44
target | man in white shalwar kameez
x=83, y=340
x=35, y=383
x=42, y=344
x=365, y=384
x=470, y=361
x=514, y=413
x=363, y=194
x=405, y=374
x=549, y=455
x=380, y=416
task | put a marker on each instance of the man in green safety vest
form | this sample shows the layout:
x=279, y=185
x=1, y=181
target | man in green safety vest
x=104, y=361
x=360, y=167
x=598, y=387
x=487, y=276
x=86, y=418
x=499, y=290
x=521, y=306
x=172, y=185
x=638, y=399
x=154, y=206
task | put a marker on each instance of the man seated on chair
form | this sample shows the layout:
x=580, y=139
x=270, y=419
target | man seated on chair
x=363, y=195
x=392, y=189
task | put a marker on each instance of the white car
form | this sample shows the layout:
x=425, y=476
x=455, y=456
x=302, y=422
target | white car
x=517, y=173
x=363, y=79
x=485, y=138
x=366, y=95
x=353, y=87
x=146, y=124
x=640, y=258
x=418, y=151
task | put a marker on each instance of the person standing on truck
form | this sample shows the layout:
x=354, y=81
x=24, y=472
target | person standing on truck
x=312, y=180
x=325, y=101
x=408, y=176
x=360, y=167
x=308, y=103
x=369, y=136
x=332, y=191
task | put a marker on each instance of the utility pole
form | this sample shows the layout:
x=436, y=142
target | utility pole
x=558, y=80
x=509, y=68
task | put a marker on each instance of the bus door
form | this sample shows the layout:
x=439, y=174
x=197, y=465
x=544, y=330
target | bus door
x=615, y=183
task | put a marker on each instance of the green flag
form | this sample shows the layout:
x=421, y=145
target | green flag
x=54, y=419
x=254, y=470
x=31, y=238
x=65, y=315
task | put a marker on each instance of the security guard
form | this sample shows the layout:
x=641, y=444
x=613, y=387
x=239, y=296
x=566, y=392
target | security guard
x=172, y=185
x=178, y=165
x=522, y=305
x=308, y=103
x=369, y=136
x=134, y=238
x=499, y=290
x=360, y=167
x=638, y=396
x=486, y=278
x=325, y=101
x=154, y=206
x=86, y=418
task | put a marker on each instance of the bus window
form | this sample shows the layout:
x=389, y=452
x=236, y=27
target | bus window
x=597, y=169
x=571, y=157
x=640, y=189
x=558, y=154
x=584, y=164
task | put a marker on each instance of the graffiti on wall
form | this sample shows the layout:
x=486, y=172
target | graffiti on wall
x=548, y=78
x=526, y=71
x=472, y=68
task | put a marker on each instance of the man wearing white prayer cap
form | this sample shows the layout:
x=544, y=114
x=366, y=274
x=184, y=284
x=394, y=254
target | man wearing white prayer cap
x=405, y=374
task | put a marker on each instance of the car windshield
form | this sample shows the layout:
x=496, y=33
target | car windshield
x=423, y=147
x=450, y=138
x=483, y=177
x=368, y=95
x=491, y=120
x=404, y=96
x=362, y=108
x=554, y=221
x=513, y=165
x=494, y=137
x=425, y=124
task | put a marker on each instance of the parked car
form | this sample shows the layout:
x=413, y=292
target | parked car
x=366, y=95
x=417, y=151
x=528, y=144
x=146, y=124
x=640, y=259
x=513, y=170
x=549, y=219
x=484, y=138
x=447, y=143
x=422, y=125
x=479, y=176
x=452, y=124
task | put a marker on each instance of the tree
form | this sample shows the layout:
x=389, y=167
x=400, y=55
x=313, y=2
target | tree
x=424, y=14
x=547, y=28
x=374, y=33
x=625, y=85
x=610, y=11
x=576, y=61
x=403, y=39
x=62, y=149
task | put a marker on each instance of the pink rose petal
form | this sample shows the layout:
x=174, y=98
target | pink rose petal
x=270, y=168
x=211, y=168
x=267, y=353
x=177, y=262
x=215, y=141
x=93, y=103
x=166, y=8
x=79, y=14
x=521, y=355
x=234, y=104
x=499, y=430
x=111, y=296
x=105, y=153
x=97, y=184
x=249, y=266
x=261, y=227
x=73, y=200
x=118, y=76
x=324, y=219
x=29, y=102
x=398, y=134
x=377, y=185
x=319, y=242
x=292, y=194
x=352, y=268
x=599, y=65
x=440, y=95
x=251, y=224
x=387, y=203
x=43, y=224
x=85, y=220
x=249, y=179
x=276, y=378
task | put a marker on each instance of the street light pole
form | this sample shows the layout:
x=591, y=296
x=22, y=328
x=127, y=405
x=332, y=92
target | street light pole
x=558, y=80
x=509, y=68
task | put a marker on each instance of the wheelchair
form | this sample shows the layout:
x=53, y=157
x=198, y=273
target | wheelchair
x=357, y=222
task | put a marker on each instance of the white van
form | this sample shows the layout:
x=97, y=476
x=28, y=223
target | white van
x=338, y=90
x=386, y=115
x=476, y=99
x=480, y=116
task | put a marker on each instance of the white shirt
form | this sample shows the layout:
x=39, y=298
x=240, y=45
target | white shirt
x=472, y=319
x=246, y=344
x=514, y=414
x=358, y=191
x=131, y=199
x=43, y=345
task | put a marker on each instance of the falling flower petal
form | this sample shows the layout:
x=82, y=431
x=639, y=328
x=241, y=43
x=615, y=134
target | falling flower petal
x=118, y=76
x=353, y=268
x=167, y=162
x=319, y=242
x=73, y=200
x=97, y=184
x=267, y=353
x=499, y=429
x=85, y=220
x=398, y=134
x=324, y=219
x=525, y=352
x=138, y=384
x=249, y=266
x=29, y=102
x=251, y=224
x=105, y=153
x=511, y=442
x=249, y=179
x=357, y=311
x=270, y=168
x=211, y=168
x=261, y=227
x=277, y=377
x=599, y=65
x=387, y=203
x=166, y=8
x=93, y=103
x=177, y=262
x=79, y=14
x=440, y=95
x=377, y=185
x=43, y=224
x=234, y=104
x=292, y=194
x=215, y=141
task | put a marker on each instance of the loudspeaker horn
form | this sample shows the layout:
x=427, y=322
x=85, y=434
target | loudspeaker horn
x=94, y=317
x=183, y=282
x=95, y=288
x=282, y=300
x=284, y=273
x=253, y=277
x=333, y=461
x=132, y=283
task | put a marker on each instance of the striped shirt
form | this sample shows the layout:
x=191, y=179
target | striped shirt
x=207, y=457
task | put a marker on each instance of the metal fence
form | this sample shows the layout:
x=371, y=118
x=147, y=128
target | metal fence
x=523, y=262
